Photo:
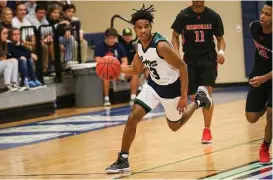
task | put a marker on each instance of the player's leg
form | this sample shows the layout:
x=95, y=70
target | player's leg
x=207, y=67
x=253, y=117
x=268, y=127
x=255, y=108
x=144, y=103
x=106, y=88
x=207, y=113
x=255, y=103
x=264, y=149
x=202, y=99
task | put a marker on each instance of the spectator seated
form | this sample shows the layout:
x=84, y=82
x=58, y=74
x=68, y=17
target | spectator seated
x=47, y=47
x=28, y=37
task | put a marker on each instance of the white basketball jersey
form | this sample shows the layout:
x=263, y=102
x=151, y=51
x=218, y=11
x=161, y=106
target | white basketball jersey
x=160, y=71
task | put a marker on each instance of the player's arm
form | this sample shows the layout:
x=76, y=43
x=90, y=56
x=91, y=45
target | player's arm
x=173, y=58
x=135, y=68
x=268, y=76
x=221, y=44
x=177, y=27
x=124, y=60
x=259, y=80
x=218, y=31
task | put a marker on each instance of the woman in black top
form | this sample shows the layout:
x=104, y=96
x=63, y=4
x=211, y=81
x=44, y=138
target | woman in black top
x=25, y=58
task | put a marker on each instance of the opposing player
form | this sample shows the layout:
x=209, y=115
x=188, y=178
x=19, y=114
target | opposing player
x=259, y=98
x=167, y=84
x=198, y=24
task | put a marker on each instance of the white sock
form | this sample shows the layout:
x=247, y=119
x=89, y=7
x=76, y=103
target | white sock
x=133, y=96
x=124, y=155
x=198, y=102
x=106, y=98
x=122, y=76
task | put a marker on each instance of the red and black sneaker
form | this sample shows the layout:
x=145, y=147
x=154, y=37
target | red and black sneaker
x=206, y=138
x=264, y=155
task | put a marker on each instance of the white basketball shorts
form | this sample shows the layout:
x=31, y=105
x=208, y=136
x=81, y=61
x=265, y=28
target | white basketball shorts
x=149, y=99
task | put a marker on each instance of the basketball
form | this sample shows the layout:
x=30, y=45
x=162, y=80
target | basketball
x=108, y=68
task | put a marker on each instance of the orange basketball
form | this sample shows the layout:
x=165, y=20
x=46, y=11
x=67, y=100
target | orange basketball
x=108, y=68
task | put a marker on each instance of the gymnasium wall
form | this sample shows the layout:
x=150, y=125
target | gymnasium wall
x=95, y=17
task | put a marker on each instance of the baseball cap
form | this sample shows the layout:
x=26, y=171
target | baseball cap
x=127, y=31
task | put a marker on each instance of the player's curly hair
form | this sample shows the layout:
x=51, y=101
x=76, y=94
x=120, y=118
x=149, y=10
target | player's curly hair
x=143, y=13
x=268, y=3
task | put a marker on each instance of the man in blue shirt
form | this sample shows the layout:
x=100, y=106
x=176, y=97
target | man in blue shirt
x=110, y=47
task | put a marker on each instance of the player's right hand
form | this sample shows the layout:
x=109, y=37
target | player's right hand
x=257, y=81
x=182, y=104
x=220, y=58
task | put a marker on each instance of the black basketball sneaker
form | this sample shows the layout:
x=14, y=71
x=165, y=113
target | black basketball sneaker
x=203, y=98
x=121, y=165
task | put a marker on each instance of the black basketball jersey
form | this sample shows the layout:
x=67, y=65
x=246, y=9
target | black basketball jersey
x=263, y=54
x=198, y=29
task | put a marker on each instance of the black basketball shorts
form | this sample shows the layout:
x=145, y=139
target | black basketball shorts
x=258, y=98
x=202, y=71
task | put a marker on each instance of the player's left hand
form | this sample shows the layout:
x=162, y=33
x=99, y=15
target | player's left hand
x=220, y=58
x=182, y=104
x=257, y=81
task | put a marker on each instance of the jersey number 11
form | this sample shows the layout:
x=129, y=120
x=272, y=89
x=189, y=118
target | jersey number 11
x=199, y=36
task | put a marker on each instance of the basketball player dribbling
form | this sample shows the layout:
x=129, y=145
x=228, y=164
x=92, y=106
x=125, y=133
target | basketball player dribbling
x=167, y=84
x=198, y=24
x=259, y=98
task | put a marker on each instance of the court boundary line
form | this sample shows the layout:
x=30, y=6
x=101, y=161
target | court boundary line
x=99, y=112
x=249, y=175
x=17, y=145
x=82, y=174
x=229, y=170
x=200, y=155
x=126, y=106
x=81, y=114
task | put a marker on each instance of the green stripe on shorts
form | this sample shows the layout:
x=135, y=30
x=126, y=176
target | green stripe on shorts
x=142, y=104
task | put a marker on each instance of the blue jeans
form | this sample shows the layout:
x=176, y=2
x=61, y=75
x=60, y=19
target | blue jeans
x=26, y=68
x=68, y=45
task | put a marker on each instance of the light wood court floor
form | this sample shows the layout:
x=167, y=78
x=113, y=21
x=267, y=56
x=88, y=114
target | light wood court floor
x=157, y=152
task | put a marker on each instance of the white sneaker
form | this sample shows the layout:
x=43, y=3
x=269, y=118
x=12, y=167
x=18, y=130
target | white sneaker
x=19, y=88
x=107, y=103
x=11, y=88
